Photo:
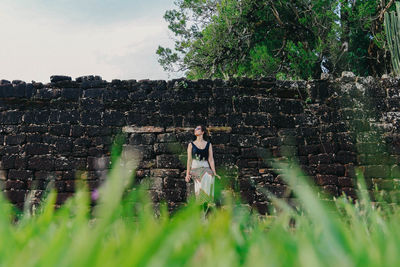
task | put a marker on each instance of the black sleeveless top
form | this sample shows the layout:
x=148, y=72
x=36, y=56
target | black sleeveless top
x=202, y=154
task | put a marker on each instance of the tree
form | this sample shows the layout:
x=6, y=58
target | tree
x=392, y=23
x=292, y=39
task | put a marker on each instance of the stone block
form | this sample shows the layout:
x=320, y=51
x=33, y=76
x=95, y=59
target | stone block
x=63, y=163
x=41, y=163
x=8, y=162
x=383, y=184
x=69, y=185
x=43, y=175
x=290, y=106
x=345, y=157
x=142, y=139
x=246, y=104
x=135, y=118
x=270, y=105
x=168, y=148
x=36, y=149
x=174, y=173
x=91, y=118
x=220, y=138
x=16, y=196
x=249, y=152
x=166, y=138
x=15, y=185
x=58, y=78
x=168, y=161
x=63, y=129
x=324, y=158
x=22, y=175
x=375, y=171
x=70, y=93
x=142, y=129
x=244, y=140
x=15, y=139
x=256, y=119
x=332, y=190
x=334, y=169
x=271, y=142
x=114, y=118
x=156, y=183
x=175, y=195
x=91, y=104
x=370, y=148
x=346, y=181
x=282, y=121
x=11, y=117
x=63, y=145
x=6, y=90
x=324, y=179
x=69, y=116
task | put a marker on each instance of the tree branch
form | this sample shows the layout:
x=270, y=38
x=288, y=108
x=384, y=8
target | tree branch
x=276, y=14
x=384, y=10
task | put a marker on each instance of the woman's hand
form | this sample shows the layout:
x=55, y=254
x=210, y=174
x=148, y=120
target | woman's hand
x=216, y=175
x=187, y=178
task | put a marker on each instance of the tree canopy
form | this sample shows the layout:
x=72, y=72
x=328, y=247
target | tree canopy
x=290, y=39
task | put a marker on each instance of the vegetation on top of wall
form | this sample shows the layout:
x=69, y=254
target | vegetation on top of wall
x=286, y=39
x=391, y=22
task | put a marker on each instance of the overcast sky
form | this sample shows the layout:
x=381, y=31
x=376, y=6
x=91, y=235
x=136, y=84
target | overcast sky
x=116, y=39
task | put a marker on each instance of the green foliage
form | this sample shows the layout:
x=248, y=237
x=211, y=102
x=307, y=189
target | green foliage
x=286, y=39
x=392, y=20
x=301, y=60
x=261, y=62
x=116, y=149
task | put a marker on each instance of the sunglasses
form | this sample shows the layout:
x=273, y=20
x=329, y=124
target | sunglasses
x=198, y=128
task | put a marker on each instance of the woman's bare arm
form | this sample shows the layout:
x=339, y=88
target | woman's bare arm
x=189, y=159
x=211, y=159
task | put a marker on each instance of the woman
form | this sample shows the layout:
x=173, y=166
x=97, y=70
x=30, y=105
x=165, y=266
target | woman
x=201, y=167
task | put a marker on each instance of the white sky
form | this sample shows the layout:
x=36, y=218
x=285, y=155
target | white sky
x=116, y=39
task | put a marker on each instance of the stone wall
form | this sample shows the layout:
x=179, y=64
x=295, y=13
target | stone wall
x=65, y=128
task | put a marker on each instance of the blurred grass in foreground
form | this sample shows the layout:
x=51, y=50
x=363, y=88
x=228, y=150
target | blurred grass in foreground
x=122, y=230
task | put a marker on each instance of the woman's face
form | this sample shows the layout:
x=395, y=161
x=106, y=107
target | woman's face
x=198, y=131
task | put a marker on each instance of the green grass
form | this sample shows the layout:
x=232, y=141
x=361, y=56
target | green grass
x=122, y=229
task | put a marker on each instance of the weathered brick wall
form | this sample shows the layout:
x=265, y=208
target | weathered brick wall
x=61, y=129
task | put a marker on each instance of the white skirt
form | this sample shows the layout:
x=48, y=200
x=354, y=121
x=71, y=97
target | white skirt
x=203, y=180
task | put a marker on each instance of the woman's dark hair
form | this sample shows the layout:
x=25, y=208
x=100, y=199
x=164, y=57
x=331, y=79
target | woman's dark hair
x=204, y=129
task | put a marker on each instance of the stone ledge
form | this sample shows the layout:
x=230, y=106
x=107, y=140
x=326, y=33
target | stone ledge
x=210, y=129
x=142, y=129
